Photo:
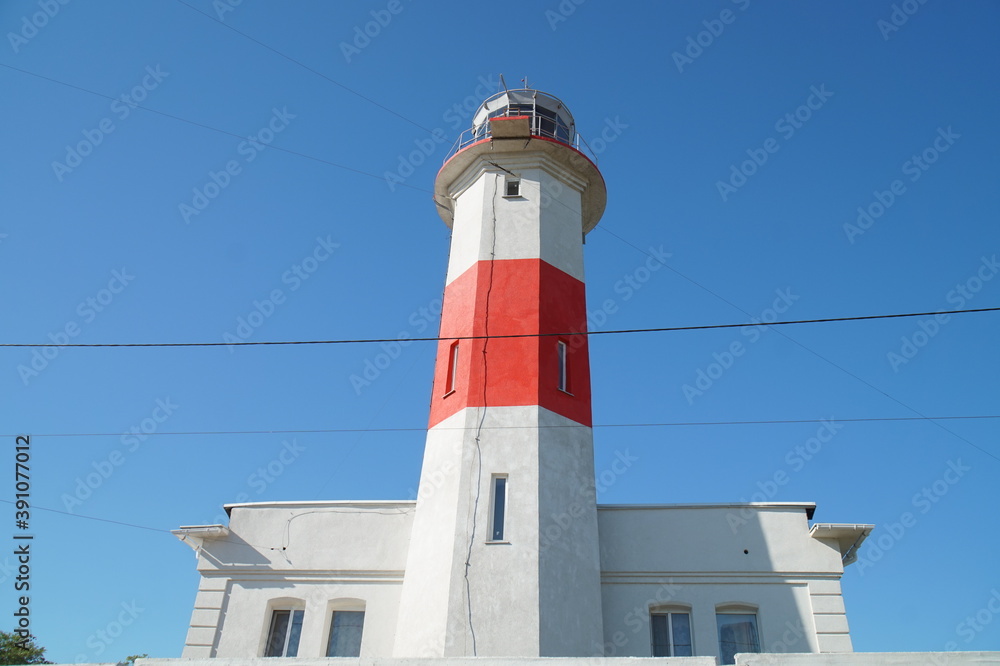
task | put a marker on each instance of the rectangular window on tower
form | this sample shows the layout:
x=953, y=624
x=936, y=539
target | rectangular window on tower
x=562, y=351
x=449, y=381
x=498, y=507
x=512, y=187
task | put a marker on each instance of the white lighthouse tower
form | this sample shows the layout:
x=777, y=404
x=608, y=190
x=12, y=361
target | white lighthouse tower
x=503, y=557
x=505, y=552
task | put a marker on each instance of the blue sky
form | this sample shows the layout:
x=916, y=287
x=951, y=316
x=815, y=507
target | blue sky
x=245, y=170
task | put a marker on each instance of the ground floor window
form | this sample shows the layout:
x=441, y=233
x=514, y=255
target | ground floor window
x=737, y=633
x=671, y=634
x=284, y=632
x=346, y=628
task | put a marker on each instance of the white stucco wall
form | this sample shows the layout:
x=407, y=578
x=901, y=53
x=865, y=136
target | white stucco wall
x=504, y=602
x=542, y=223
x=699, y=558
x=303, y=555
x=855, y=659
x=690, y=557
x=569, y=565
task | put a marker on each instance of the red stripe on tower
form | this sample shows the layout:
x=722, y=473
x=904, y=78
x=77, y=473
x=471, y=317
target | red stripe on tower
x=513, y=297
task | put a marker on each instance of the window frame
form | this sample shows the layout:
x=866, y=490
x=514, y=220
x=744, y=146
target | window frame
x=562, y=363
x=296, y=619
x=747, y=610
x=451, y=378
x=332, y=626
x=499, y=493
x=668, y=612
x=507, y=183
x=342, y=605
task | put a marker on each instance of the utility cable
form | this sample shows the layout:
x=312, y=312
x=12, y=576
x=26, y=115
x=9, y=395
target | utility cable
x=659, y=329
x=827, y=360
x=271, y=146
x=666, y=424
x=103, y=520
x=306, y=67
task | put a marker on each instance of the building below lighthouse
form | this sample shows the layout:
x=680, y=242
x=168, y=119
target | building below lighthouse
x=505, y=552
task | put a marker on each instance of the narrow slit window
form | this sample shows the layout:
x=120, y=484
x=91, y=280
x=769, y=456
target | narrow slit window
x=449, y=382
x=562, y=351
x=512, y=187
x=499, y=508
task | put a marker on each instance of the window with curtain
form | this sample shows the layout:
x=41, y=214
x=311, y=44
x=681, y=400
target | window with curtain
x=737, y=633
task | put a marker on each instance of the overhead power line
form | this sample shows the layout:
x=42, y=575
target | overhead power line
x=661, y=329
x=606, y=425
x=305, y=67
x=312, y=431
x=271, y=146
x=102, y=520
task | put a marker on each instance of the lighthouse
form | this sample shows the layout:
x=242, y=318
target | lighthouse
x=503, y=557
x=504, y=552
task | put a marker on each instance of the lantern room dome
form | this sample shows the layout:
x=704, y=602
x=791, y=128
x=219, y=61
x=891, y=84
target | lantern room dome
x=547, y=115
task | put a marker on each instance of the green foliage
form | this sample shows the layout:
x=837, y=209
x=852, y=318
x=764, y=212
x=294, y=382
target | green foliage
x=15, y=649
x=130, y=660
